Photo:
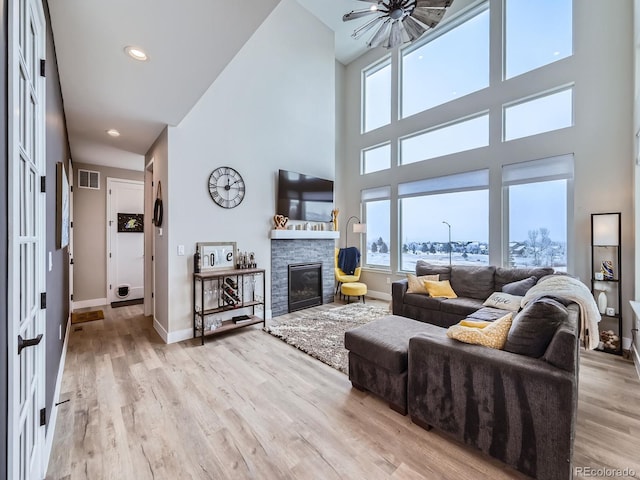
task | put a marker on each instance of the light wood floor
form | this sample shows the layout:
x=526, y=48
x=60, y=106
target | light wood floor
x=247, y=405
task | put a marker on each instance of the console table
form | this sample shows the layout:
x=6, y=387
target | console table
x=219, y=291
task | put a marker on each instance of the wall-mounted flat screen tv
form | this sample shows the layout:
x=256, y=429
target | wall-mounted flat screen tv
x=304, y=197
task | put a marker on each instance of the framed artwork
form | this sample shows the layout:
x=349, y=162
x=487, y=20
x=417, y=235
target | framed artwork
x=217, y=255
x=130, y=222
x=62, y=206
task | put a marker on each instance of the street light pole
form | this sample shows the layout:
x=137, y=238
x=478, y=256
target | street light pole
x=448, y=225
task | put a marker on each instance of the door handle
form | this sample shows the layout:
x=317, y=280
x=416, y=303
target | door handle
x=31, y=342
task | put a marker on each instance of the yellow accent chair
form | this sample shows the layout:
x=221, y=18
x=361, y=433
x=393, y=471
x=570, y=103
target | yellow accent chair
x=342, y=277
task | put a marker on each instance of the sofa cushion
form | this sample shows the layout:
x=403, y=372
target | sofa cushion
x=488, y=314
x=416, y=284
x=460, y=306
x=471, y=281
x=493, y=335
x=503, y=301
x=520, y=287
x=534, y=327
x=441, y=289
x=508, y=275
x=561, y=351
x=385, y=341
x=422, y=300
x=425, y=268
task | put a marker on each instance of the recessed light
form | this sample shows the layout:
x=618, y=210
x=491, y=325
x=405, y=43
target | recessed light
x=136, y=53
x=113, y=132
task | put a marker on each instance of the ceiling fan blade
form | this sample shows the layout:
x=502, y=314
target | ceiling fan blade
x=430, y=17
x=365, y=28
x=414, y=29
x=395, y=35
x=434, y=3
x=355, y=14
x=380, y=35
x=379, y=2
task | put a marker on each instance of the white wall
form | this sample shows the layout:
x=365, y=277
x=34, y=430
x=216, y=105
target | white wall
x=636, y=152
x=273, y=107
x=601, y=139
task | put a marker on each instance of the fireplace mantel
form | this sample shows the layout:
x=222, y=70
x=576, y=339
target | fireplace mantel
x=300, y=234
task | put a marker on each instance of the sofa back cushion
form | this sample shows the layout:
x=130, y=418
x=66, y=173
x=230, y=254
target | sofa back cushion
x=510, y=275
x=425, y=268
x=535, y=326
x=563, y=351
x=472, y=282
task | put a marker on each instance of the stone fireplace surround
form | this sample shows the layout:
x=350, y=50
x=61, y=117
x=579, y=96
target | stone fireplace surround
x=285, y=251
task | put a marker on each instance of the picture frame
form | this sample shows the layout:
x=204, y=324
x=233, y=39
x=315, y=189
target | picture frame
x=130, y=222
x=62, y=206
x=217, y=255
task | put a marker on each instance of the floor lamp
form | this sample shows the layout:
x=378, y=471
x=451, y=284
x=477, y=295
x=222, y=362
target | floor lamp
x=357, y=228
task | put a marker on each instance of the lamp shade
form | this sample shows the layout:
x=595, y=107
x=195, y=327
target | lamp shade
x=359, y=228
x=606, y=228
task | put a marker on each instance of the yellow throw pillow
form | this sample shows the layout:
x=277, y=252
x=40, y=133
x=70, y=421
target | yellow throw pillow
x=416, y=284
x=439, y=289
x=493, y=335
x=474, y=323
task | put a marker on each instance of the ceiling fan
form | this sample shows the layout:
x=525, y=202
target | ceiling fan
x=398, y=21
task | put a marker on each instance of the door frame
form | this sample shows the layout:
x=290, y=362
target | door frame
x=110, y=181
x=149, y=242
x=13, y=254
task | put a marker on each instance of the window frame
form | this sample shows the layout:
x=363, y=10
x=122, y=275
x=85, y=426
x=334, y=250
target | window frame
x=363, y=152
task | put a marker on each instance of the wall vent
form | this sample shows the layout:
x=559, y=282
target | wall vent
x=89, y=179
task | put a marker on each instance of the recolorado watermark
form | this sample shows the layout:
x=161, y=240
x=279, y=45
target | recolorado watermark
x=604, y=472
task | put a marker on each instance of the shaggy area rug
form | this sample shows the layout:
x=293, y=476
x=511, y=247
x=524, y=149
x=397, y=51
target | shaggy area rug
x=321, y=334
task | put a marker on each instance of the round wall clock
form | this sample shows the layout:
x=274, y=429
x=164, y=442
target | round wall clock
x=226, y=187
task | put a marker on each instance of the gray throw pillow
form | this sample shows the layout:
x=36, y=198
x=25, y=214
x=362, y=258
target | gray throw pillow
x=521, y=287
x=534, y=327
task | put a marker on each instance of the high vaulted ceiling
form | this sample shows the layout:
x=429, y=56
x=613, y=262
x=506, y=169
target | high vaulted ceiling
x=189, y=43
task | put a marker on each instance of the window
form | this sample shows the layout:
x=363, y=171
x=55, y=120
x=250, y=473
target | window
x=527, y=45
x=451, y=65
x=537, y=194
x=444, y=140
x=542, y=114
x=377, y=214
x=376, y=158
x=445, y=219
x=376, y=86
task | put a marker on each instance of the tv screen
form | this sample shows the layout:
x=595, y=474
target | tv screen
x=303, y=197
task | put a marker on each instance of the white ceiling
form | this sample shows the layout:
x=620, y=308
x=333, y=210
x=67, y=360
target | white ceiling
x=189, y=43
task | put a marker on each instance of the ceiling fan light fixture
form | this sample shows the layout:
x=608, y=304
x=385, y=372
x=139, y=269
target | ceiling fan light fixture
x=398, y=21
x=136, y=53
x=113, y=132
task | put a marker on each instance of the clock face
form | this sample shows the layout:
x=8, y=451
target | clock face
x=226, y=187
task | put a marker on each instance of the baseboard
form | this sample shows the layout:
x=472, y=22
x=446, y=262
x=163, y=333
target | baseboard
x=53, y=419
x=172, y=337
x=94, y=302
x=379, y=295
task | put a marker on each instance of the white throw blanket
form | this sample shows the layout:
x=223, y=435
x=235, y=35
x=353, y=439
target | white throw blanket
x=572, y=289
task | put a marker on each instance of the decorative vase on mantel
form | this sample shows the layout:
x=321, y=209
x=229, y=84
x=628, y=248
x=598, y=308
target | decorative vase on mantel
x=602, y=302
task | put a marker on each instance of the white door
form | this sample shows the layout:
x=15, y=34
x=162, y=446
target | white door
x=125, y=242
x=26, y=240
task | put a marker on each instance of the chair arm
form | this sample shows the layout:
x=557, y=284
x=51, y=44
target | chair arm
x=398, y=289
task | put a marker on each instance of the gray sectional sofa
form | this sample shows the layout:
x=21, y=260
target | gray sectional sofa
x=472, y=284
x=518, y=404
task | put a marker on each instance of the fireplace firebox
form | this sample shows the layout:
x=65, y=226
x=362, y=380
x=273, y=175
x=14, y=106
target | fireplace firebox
x=305, y=285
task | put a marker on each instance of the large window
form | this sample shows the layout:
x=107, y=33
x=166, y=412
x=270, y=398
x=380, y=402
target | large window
x=542, y=114
x=451, y=65
x=536, y=33
x=376, y=98
x=536, y=195
x=445, y=219
x=444, y=140
x=376, y=158
x=377, y=215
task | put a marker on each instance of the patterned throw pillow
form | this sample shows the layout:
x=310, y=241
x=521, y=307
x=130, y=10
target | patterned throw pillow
x=493, y=335
x=416, y=284
x=503, y=301
x=440, y=289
